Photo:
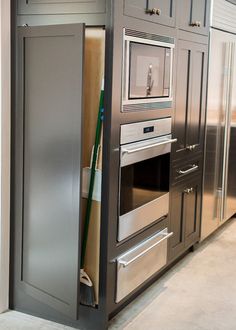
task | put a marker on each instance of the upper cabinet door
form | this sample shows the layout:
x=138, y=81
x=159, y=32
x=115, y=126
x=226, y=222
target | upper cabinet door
x=48, y=130
x=39, y=7
x=190, y=98
x=194, y=16
x=156, y=11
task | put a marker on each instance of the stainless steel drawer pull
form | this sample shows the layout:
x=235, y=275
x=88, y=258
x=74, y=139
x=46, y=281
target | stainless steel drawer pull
x=127, y=263
x=131, y=151
x=188, y=191
x=192, y=169
x=192, y=147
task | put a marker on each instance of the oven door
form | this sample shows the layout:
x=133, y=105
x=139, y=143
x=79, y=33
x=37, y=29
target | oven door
x=144, y=184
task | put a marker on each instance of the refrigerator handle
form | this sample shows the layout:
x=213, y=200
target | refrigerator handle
x=227, y=130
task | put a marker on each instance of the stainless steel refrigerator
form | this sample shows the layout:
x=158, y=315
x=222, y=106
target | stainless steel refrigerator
x=219, y=185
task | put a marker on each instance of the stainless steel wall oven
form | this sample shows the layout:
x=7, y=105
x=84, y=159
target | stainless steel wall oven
x=147, y=71
x=144, y=174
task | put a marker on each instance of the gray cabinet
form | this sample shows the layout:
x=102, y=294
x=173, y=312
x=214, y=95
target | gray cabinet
x=47, y=175
x=190, y=98
x=185, y=203
x=194, y=16
x=156, y=11
x=53, y=7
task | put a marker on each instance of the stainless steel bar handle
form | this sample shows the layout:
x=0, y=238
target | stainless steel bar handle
x=227, y=127
x=127, y=263
x=192, y=169
x=132, y=151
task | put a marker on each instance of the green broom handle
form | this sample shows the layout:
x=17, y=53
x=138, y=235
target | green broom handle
x=92, y=177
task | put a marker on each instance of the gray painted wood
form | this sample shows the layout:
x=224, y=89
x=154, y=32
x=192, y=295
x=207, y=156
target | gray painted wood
x=190, y=97
x=137, y=8
x=48, y=173
x=184, y=216
x=190, y=11
x=47, y=7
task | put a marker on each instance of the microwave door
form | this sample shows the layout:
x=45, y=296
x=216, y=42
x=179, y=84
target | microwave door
x=149, y=71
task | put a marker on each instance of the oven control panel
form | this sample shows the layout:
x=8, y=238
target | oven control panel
x=144, y=130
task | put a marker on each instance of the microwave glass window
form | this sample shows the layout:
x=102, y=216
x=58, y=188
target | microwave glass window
x=143, y=182
x=150, y=70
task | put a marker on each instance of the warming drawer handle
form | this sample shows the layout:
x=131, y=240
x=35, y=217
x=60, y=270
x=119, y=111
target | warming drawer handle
x=127, y=263
x=192, y=169
x=132, y=151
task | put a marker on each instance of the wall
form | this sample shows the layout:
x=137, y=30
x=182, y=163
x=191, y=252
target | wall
x=4, y=151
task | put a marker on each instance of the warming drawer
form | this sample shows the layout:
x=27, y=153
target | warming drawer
x=140, y=263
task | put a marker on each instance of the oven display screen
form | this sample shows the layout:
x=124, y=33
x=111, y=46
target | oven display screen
x=149, y=129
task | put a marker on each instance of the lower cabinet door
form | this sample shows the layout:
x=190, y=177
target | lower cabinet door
x=184, y=215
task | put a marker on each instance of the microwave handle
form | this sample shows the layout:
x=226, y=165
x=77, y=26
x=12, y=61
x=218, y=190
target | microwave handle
x=132, y=151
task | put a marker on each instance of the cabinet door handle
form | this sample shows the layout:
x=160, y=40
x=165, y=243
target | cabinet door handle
x=196, y=24
x=192, y=147
x=189, y=191
x=153, y=11
x=190, y=170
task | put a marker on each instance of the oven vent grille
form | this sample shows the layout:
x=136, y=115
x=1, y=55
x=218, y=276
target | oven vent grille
x=148, y=36
x=147, y=106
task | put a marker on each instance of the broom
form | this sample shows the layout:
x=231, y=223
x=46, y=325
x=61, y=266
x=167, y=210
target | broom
x=87, y=296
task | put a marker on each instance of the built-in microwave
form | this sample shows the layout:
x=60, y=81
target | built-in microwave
x=147, y=71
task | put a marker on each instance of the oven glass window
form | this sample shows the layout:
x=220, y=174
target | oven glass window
x=150, y=71
x=143, y=182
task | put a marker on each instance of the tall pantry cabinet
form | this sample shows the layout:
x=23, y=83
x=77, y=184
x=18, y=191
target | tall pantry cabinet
x=58, y=64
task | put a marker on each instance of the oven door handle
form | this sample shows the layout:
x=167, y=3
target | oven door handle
x=132, y=151
x=127, y=263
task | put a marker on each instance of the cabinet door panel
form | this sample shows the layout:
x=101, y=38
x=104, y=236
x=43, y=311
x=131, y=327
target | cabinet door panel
x=183, y=89
x=139, y=10
x=190, y=98
x=192, y=213
x=27, y=7
x=198, y=97
x=185, y=215
x=177, y=222
x=194, y=16
x=48, y=173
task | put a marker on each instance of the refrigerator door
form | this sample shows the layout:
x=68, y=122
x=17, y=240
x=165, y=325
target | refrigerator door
x=229, y=196
x=217, y=104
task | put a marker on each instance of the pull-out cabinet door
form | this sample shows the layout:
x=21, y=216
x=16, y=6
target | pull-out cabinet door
x=47, y=174
x=184, y=215
x=190, y=98
x=194, y=16
x=156, y=11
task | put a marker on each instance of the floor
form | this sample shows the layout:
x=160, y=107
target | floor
x=197, y=294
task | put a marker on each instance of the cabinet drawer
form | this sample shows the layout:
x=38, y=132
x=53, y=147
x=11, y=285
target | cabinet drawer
x=140, y=263
x=187, y=169
x=156, y=11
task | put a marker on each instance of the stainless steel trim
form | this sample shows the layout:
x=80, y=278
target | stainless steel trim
x=126, y=66
x=192, y=169
x=127, y=263
x=131, y=151
x=141, y=217
x=150, y=257
x=226, y=133
x=135, y=132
